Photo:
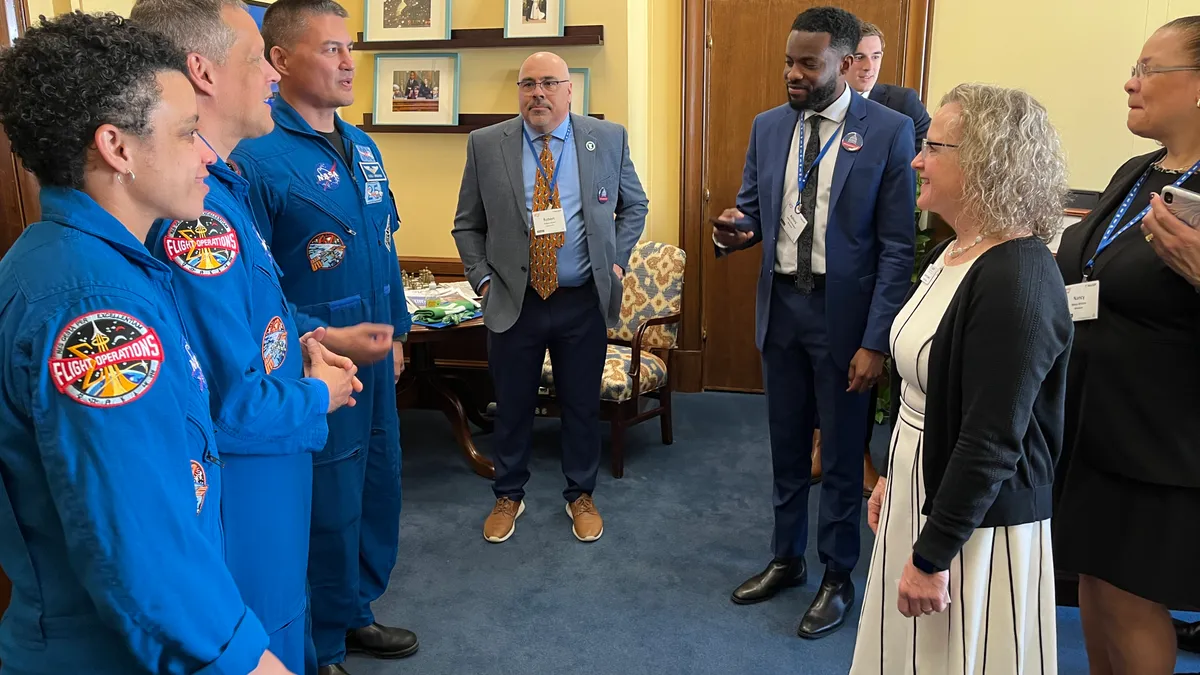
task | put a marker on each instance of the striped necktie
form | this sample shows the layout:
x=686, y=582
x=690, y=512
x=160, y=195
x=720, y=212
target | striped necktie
x=543, y=250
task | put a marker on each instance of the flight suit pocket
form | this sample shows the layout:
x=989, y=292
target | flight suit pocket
x=349, y=427
x=21, y=571
x=338, y=313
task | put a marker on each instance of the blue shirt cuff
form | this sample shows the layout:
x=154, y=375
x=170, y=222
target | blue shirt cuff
x=243, y=652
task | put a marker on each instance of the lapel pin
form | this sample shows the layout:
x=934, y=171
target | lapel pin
x=603, y=196
x=590, y=145
x=852, y=142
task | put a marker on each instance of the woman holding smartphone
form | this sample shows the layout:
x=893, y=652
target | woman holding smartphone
x=1129, y=482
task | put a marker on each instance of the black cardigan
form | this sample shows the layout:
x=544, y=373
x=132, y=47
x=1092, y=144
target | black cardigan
x=995, y=400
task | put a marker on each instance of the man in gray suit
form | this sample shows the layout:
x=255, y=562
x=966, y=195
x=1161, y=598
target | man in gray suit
x=548, y=214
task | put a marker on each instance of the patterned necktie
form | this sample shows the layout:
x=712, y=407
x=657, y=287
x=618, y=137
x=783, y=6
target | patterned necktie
x=543, y=250
x=808, y=208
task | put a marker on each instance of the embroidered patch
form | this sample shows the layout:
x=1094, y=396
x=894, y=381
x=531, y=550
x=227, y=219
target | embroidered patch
x=326, y=251
x=274, y=345
x=200, y=483
x=372, y=170
x=364, y=153
x=206, y=247
x=374, y=192
x=194, y=363
x=105, y=359
x=327, y=176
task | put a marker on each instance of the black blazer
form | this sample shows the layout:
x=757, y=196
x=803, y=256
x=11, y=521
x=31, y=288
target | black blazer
x=1134, y=381
x=905, y=101
x=994, y=401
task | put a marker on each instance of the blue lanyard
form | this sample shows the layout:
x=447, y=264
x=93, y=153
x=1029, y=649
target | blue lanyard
x=802, y=174
x=1111, y=232
x=537, y=157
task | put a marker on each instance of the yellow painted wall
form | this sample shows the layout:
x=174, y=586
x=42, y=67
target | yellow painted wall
x=1072, y=55
x=635, y=81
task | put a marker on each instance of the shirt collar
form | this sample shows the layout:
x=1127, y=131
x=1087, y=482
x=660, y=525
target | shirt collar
x=560, y=132
x=287, y=117
x=77, y=210
x=835, y=111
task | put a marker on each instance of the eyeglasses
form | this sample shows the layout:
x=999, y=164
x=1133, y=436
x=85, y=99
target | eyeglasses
x=926, y=144
x=1141, y=70
x=548, y=86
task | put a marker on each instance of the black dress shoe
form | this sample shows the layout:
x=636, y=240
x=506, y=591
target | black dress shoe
x=334, y=669
x=382, y=642
x=828, y=610
x=780, y=574
x=1188, y=635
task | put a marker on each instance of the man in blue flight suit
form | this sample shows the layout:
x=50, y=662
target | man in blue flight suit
x=269, y=417
x=322, y=201
x=110, y=486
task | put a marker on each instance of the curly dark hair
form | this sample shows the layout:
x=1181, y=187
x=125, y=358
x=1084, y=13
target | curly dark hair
x=843, y=27
x=70, y=75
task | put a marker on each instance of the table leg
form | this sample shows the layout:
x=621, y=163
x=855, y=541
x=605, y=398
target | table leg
x=477, y=417
x=426, y=378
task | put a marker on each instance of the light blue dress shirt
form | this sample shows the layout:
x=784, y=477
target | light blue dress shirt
x=574, y=267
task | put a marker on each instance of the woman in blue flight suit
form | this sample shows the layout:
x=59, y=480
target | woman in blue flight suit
x=110, y=481
x=329, y=218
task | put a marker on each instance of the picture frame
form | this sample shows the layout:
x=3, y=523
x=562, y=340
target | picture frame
x=534, y=18
x=581, y=90
x=416, y=89
x=406, y=20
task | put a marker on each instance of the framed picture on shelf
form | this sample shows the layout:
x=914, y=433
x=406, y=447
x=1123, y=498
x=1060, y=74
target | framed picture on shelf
x=533, y=18
x=580, y=90
x=416, y=89
x=406, y=20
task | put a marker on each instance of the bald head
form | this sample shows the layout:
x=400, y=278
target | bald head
x=544, y=86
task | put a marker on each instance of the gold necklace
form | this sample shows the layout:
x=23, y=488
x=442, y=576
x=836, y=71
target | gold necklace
x=958, y=251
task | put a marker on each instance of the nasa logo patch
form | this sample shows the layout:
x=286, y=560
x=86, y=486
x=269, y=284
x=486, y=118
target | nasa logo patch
x=200, y=483
x=274, y=345
x=206, y=247
x=326, y=251
x=364, y=153
x=327, y=176
x=194, y=363
x=105, y=359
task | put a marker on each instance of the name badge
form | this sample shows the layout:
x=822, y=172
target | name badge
x=793, y=224
x=1084, y=300
x=550, y=221
x=930, y=275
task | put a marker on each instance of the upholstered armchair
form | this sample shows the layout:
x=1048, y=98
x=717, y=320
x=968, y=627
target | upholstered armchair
x=639, y=348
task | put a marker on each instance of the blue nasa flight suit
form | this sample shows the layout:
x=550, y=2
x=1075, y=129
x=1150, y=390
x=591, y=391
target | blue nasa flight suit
x=268, y=417
x=110, y=481
x=330, y=227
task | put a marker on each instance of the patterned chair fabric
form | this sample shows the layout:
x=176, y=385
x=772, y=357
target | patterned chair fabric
x=616, y=384
x=653, y=288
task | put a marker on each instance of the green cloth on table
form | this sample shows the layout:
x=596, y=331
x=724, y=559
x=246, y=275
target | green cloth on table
x=448, y=312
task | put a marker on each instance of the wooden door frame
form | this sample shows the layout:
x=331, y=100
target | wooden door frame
x=693, y=234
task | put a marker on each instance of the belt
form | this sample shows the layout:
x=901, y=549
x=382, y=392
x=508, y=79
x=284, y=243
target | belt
x=790, y=279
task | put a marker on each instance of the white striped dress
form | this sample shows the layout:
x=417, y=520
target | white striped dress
x=1001, y=614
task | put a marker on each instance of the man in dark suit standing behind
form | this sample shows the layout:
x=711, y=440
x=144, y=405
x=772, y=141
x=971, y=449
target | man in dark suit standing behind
x=548, y=214
x=828, y=190
x=864, y=76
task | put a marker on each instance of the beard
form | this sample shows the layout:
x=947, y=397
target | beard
x=818, y=97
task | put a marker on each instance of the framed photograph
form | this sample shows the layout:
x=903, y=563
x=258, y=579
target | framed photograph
x=533, y=18
x=416, y=89
x=580, y=91
x=405, y=20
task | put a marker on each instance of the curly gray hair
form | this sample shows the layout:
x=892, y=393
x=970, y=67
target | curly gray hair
x=1013, y=165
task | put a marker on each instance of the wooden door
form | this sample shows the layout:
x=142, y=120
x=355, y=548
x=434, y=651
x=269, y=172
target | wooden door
x=18, y=188
x=743, y=76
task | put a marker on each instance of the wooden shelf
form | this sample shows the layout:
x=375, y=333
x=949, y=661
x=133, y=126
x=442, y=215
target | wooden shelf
x=483, y=38
x=466, y=124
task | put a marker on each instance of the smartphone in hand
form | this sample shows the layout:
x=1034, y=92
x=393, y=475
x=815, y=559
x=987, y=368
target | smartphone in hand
x=1185, y=204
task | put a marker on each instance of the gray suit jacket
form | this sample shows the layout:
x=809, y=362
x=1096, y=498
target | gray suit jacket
x=492, y=232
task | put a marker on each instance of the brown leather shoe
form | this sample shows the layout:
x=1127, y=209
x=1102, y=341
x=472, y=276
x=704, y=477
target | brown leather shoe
x=502, y=521
x=586, y=522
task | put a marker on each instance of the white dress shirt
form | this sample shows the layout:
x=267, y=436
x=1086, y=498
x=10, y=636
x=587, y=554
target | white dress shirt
x=831, y=125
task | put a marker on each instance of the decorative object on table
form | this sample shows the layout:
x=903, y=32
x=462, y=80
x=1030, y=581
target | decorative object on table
x=440, y=305
x=534, y=18
x=416, y=89
x=406, y=20
x=419, y=280
x=651, y=306
x=580, y=90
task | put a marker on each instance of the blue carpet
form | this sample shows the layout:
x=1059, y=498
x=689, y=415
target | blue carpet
x=686, y=525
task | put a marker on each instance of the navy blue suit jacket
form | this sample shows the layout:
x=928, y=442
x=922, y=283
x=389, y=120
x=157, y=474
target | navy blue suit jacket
x=905, y=101
x=871, y=231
